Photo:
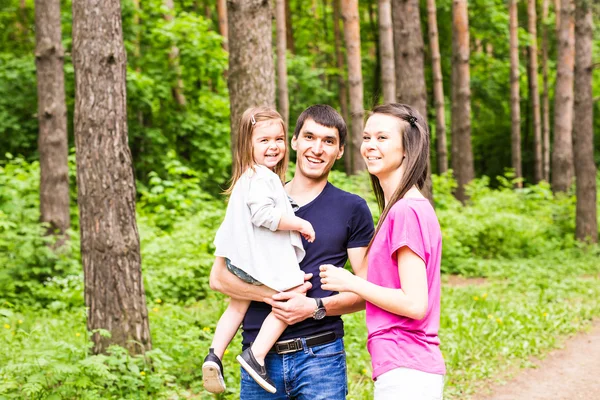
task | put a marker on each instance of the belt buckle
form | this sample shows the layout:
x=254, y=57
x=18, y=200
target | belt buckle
x=294, y=345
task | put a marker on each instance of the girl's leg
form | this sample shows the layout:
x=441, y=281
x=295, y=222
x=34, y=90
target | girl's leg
x=269, y=332
x=228, y=325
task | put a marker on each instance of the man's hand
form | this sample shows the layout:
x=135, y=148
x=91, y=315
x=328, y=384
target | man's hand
x=292, y=307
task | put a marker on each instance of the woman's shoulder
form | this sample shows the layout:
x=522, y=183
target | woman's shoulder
x=411, y=206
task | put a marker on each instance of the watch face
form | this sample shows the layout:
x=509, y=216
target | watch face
x=319, y=313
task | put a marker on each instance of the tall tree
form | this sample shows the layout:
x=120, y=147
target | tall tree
x=349, y=10
x=282, y=86
x=562, y=156
x=408, y=52
x=515, y=107
x=583, y=125
x=177, y=88
x=289, y=29
x=462, y=152
x=386, y=49
x=222, y=15
x=110, y=246
x=534, y=92
x=438, y=88
x=545, y=96
x=52, y=118
x=251, y=79
x=343, y=87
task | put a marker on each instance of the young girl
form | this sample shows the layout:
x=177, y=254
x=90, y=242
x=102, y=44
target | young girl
x=258, y=240
x=402, y=289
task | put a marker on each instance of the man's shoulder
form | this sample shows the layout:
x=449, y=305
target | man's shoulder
x=346, y=197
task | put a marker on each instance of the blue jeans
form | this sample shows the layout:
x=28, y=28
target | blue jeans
x=316, y=373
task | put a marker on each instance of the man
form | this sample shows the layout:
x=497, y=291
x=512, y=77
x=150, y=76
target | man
x=308, y=361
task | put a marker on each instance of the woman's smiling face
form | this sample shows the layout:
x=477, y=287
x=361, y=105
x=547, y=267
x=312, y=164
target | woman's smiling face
x=382, y=147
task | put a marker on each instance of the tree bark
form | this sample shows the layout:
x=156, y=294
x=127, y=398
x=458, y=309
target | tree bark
x=462, y=153
x=343, y=88
x=289, y=29
x=545, y=96
x=52, y=118
x=438, y=89
x=386, y=49
x=110, y=246
x=408, y=52
x=177, y=88
x=562, y=157
x=222, y=15
x=282, y=85
x=515, y=107
x=534, y=90
x=251, y=72
x=349, y=11
x=586, y=228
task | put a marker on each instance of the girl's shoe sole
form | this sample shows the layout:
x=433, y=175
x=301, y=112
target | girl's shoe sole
x=263, y=384
x=212, y=377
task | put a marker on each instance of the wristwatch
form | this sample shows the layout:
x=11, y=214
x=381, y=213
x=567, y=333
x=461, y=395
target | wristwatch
x=320, y=312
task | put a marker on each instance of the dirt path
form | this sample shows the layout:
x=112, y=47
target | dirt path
x=571, y=373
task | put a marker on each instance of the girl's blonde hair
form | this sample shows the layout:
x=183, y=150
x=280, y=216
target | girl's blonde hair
x=244, y=158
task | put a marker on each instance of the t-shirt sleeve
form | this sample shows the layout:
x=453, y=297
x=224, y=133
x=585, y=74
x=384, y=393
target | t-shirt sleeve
x=261, y=201
x=405, y=230
x=360, y=226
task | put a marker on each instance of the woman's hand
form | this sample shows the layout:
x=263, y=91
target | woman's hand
x=336, y=279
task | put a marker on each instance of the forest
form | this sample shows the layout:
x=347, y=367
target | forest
x=117, y=120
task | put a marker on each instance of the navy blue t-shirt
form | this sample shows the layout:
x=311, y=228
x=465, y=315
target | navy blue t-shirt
x=341, y=220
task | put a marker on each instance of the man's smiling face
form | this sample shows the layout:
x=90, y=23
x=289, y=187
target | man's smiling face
x=317, y=148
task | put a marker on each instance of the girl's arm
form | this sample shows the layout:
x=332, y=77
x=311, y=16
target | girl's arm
x=410, y=301
x=293, y=223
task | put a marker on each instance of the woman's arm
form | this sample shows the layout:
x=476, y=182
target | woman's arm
x=410, y=301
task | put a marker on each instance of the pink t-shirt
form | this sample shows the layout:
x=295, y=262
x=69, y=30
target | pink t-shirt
x=396, y=341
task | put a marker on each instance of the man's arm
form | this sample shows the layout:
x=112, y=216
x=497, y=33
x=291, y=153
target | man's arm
x=225, y=282
x=293, y=308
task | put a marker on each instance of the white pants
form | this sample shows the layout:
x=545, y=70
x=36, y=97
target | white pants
x=409, y=384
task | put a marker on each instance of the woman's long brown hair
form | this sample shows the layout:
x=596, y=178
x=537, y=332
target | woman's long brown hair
x=244, y=158
x=415, y=142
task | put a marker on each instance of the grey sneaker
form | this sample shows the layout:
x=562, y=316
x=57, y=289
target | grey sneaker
x=212, y=373
x=255, y=370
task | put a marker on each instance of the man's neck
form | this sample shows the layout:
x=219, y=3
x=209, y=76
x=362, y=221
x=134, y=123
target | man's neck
x=304, y=190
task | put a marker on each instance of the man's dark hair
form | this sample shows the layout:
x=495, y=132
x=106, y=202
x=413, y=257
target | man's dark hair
x=324, y=115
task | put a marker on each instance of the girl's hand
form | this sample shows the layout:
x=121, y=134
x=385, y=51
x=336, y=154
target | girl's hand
x=307, y=231
x=336, y=279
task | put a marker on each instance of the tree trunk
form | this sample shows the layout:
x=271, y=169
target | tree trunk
x=545, y=96
x=289, y=29
x=282, y=86
x=438, y=89
x=515, y=106
x=343, y=88
x=583, y=126
x=534, y=91
x=52, y=118
x=462, y=153
x=177, y=89
x=562, y=157
x=110, y=246
x=251, y=72
x=222, y=15
x=386, y=49
x=349, y=11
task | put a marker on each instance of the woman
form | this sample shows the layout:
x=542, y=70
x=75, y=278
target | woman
x=402, y=289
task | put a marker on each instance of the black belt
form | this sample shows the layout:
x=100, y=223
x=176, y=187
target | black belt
x=294, y=345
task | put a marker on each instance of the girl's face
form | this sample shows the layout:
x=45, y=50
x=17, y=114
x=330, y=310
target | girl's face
x=268, y=143
x=382, y=145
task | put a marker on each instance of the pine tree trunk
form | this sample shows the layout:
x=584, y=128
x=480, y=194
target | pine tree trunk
x=349, y=11
x=545, y=96
x=583, y=126
x=282, y=86
x=562, y=157
x=251, y=79
x=222, y=15
x=462, y=153
x=52, y=118
x=534, y=91
x=386, y=49
x=289, y=29
x=177, y=89
x=515, y=106
x=343, y=88
x=110, y=246
x=438, y=89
